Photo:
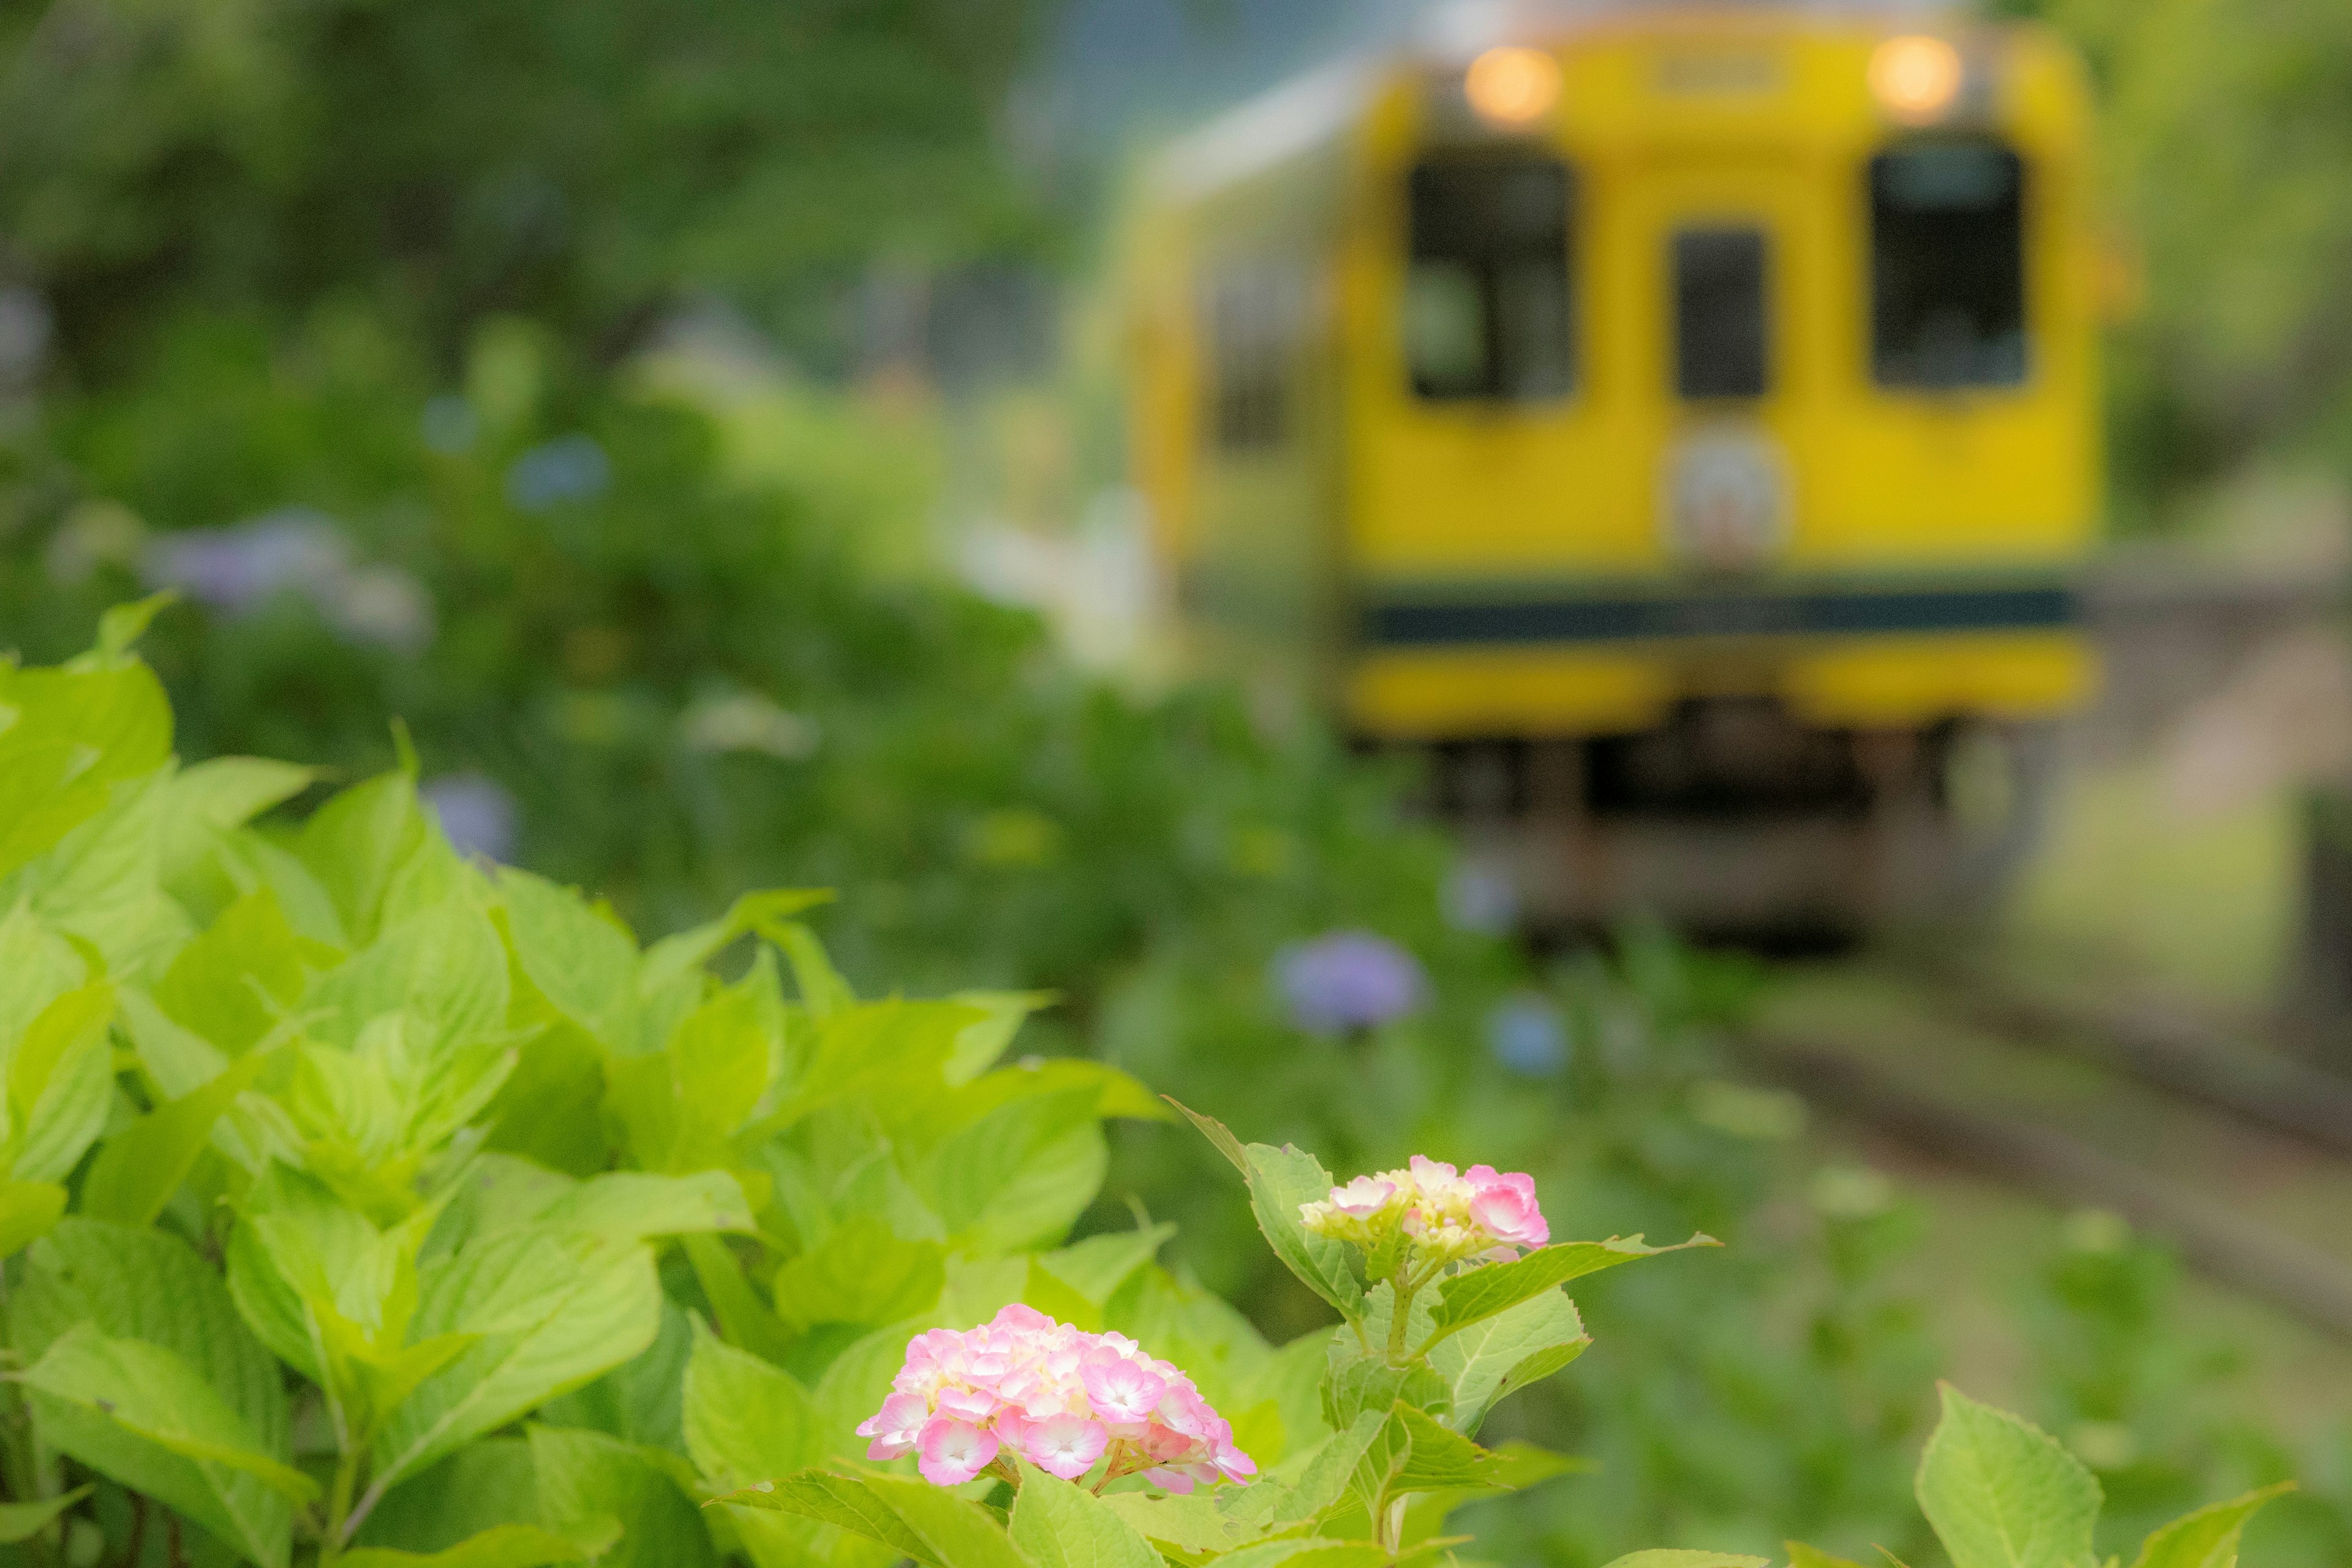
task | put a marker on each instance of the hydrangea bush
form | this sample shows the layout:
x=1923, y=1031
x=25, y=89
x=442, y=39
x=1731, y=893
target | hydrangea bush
x=363, y=1204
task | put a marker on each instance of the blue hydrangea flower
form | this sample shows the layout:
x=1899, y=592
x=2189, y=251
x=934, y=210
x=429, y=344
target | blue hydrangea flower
x=1528, y=1036
x=569, y=468
x=476, y=814
x=1348, y=980
x=1481, y=897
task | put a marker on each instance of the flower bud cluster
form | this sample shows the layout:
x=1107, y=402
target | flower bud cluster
x=1061, y=1398
x=1446, y=1214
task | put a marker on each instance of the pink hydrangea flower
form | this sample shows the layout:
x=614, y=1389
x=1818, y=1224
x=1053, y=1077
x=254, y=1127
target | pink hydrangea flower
x=1504, y=1206
x=1065, y=1400
x=953, y=1451
x=896, y=1426
x=1448, y=1215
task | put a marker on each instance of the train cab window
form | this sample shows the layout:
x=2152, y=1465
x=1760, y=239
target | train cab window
x=1488, y=309
x=1947, y=266
x=1254, y=320
x=1722, y=339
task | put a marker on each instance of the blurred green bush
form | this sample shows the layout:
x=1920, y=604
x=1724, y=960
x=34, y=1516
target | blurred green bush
x=690, y=678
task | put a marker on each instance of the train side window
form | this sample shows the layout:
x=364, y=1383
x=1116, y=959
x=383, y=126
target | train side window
x=1488, y=307
x=1947, y=266
x=1254, y=318
x=1722, y=339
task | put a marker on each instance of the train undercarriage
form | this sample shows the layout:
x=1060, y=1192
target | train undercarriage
x=1734, y=819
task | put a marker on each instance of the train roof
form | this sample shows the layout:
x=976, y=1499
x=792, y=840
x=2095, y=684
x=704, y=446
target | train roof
x=1312, y=109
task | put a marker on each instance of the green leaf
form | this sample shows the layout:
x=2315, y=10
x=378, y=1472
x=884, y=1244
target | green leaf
x=747, y=1419
x=844, y=1502
x=1280, y=1182
x=580, y=957
x=1804, y=1556
x=1099, y=1265
x=925, y=1523
x=1308, y=1551
x=858, y=1379
x=206, y=801
x=978, y=1044
x=1058, y=1524
x=355, y=843
x=1479, y=1293
x=860, y=1274
x=298, y=1257
x=977, y=1163
x=144, y=1164
x=1322, y=1482
x=682, y=1106
x=1357, y=1383
x=28, y=1212
x=672, y=967
x=227, y=792
x=443, y=966
x=232, y=984
x=1193, y=1526
x=632, y=1206
x=1499, y=1354
x=586, y=1478
x=822, y=990
x=480, y=1486
x=2001, y=1493
x=151, y=1393
x=60, y=1082
x=638, y=1401
x=536, y=1342
x=743, y=1318
x=2208, y=1537
x=1437, y=1457
x=120, y=625
x=69, y=736
x=501, y=1546
x=1674, y=1558
x=22, y=1520
x=146, y=1285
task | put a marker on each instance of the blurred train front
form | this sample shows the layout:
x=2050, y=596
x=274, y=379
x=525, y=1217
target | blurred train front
x=1679, y=424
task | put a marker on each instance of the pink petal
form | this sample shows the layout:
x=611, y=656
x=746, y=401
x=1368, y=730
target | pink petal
x=953, y=1451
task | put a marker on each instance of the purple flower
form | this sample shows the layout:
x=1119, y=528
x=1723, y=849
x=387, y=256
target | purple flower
x=570, y=467
x=476, y=814
x=1348, y=980
x=237, y=570
x=1528, y=1036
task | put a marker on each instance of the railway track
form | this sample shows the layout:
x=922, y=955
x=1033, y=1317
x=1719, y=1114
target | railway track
x=2239, y=1156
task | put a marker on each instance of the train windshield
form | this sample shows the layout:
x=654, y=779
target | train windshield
x=1947, y=266
x=1488, y=307
x=1722, y=340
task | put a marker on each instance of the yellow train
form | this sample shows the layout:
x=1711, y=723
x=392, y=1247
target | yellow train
x=1680, y=423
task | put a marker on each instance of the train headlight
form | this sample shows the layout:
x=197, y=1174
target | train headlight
x=1512, y=87
x=1915, y=79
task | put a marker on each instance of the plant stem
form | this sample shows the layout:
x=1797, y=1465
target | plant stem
x=1392, y=1528
x=340, y=1520
x=138, y=1546
x=179, y=1546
